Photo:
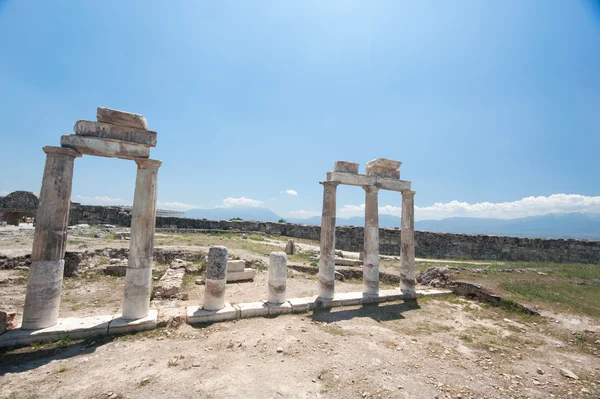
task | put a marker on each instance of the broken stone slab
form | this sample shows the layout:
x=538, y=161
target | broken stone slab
x=114, y=132
x=383, y=172
x=169, y=284
x=236, y=266
x=7, y=321
x=121, y=118
x=118, y=325
x=105, y=147
x=568, y=373
x=384, y=163
x=74, y=327
x=246, y=274
x=345, y=167
x=196, y=314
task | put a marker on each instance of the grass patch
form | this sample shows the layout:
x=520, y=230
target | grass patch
x=61, y=369
x=256, y=237
x=64, y=341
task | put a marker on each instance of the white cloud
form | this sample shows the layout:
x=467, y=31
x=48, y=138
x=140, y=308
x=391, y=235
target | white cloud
x=240, y=202
x=175, y=206
x=529, y=206
x=301, y=213
x=101, y=200
x=290, y=192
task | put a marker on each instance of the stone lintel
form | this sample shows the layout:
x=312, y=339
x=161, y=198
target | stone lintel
x=366, y=180
x=384, y=163
x=121, y=118
x=105, y=147
x=344, y=166
x=115, y=132
x=61, y=151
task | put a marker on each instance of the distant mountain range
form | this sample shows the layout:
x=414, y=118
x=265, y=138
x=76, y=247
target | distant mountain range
x=565, y=225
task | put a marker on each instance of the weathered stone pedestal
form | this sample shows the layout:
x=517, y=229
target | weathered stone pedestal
x=44, y=283
x=216, y=278
x=326, y=288
x=277, y=277
x=371, y=255
x=138, y=278
x=407, y=243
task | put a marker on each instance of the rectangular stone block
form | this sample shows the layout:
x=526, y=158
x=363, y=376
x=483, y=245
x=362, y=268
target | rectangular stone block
x=392, y=295
x=236, y=265
x=373, y=299
x=346, y=167
x=363, y=180
x=322, y=303
x=118, y=325
x=197, y=315
x=432, y=292
x=253, y=309
x=115, y=132
x=350, y=298
x=246, y=274
x=383, y=172
x=74, y=327
x=384, y=163
x=7, y=321
x=348, y=262
x=301, y=305
x=121, y=118
x=281, y=308
x=105, y=147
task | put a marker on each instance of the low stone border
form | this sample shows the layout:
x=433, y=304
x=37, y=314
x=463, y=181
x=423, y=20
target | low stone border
x=195, y=314
x=80, y=327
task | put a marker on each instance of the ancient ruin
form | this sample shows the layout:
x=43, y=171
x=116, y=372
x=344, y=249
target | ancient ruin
x=381, y=174
x=117, y=134
x=17, y=205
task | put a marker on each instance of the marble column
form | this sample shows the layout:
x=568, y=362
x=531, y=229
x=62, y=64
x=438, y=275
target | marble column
x=371, y=254
x=407, y=243
x=44, y=282
x=216, y=278
x=138, y=277
x=277, y=277
x=326, y=287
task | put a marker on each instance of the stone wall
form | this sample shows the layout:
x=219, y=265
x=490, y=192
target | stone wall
x=427, y=244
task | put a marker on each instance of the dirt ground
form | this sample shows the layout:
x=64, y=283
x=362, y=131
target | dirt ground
x=447, y=347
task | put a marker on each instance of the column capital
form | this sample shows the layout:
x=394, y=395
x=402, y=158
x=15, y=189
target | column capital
x=329, y=183
x=408, y=193
x=371, y=189
x=147, y=163
x=61, y=152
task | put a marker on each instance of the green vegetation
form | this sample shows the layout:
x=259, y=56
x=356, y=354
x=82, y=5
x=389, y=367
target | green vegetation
x=256, y=237
x=234, y=219
x=281, y=221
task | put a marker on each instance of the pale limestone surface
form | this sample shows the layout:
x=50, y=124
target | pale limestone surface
x=407, y=243
x=236, y=266
x=216, y=278
x=105, y=147
x=365, y=180
x=169, y=284
x=300, y=305
x=384, y=163
x=253, y=309
x=279, y=308
x=121, y=118
x=326, y=277
x=109, y=131
x=346, y=167
x=138, y=277
x=371, y=242
x=197, y=315
x=277, y=277
x=246, y=274
x=119, y=325
x=44, y=281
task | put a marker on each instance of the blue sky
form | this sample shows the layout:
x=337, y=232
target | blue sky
x=484, y=103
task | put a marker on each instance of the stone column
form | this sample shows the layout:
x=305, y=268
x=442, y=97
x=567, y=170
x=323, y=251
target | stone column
x=326, y=286
x=407, y=243
x=216, y=278
x=44, y=282
x=138, y=277
x=277, y=277
x=371, y=256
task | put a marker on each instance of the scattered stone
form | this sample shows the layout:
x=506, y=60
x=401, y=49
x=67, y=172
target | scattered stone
x=7, y=321
x=540, y=371
x=290, y=247
x=279, y=349
x=199, y=281
x=169, y=284
x=438, y=277
x=568, y=373
x=244, y=237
